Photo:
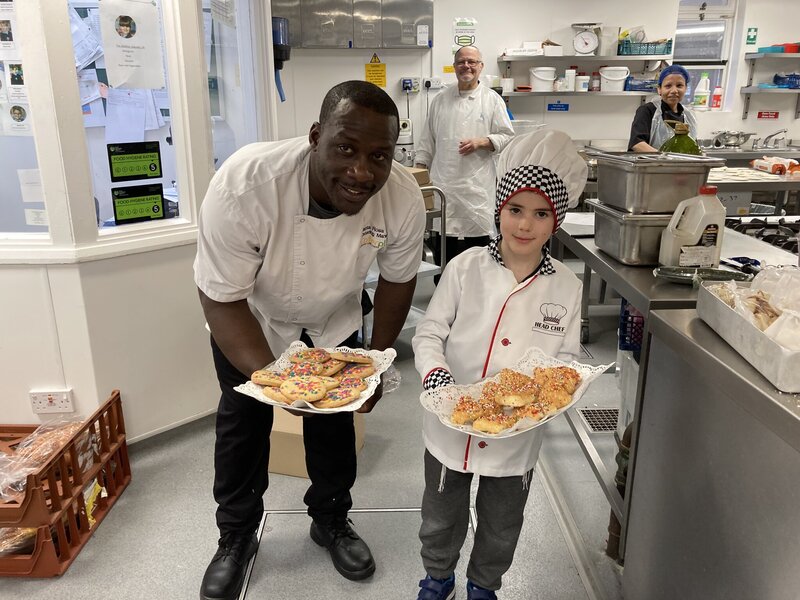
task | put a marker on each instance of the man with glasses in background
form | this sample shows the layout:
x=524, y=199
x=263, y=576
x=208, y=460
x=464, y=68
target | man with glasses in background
x=467, y=123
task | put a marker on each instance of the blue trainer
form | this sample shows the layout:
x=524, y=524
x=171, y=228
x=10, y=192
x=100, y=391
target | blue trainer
x=475, y=592
x=437, y=589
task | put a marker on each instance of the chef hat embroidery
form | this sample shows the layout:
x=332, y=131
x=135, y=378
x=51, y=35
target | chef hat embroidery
x=537, y=179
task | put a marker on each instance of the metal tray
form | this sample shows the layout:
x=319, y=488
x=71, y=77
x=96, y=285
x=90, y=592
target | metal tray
x=632, y=239
x=694, y=275
x=780, y=366
x=650, y=183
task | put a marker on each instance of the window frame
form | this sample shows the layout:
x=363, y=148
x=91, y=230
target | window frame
x=61, y=142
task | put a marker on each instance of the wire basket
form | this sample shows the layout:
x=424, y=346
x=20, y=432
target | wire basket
x=631, y=327
x=627, y=47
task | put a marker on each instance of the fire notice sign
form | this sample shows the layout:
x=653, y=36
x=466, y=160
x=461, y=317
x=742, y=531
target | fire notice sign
x=138, y=203
x=137, y=160
x=768, y=114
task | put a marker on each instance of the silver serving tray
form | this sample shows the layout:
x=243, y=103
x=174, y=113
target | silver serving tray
x=694, y=275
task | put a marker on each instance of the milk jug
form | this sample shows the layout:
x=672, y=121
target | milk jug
x=693, y=237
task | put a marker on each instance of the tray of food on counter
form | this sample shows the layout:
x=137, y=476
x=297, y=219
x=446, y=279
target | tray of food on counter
x=760, y=320
x=319, y=380
x=538, y=388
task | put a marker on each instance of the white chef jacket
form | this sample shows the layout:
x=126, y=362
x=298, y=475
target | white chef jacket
x=467, y=181
x=256, y=241
x=479, y=321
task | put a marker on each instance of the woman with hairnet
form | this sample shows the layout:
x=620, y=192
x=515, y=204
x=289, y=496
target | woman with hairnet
x=491, y=305
x=648, y=130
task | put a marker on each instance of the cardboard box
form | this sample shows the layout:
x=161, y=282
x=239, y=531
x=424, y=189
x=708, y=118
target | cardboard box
x=421, y=175
x=287, y=455
x=428, y=197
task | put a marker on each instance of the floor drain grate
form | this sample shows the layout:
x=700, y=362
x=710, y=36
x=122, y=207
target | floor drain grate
x=600, y=420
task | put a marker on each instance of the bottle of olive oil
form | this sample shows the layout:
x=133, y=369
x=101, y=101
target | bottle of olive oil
x=681, y=142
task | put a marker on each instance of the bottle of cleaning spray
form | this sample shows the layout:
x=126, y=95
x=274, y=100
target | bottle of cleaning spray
x=702, y=93
x=693, y=237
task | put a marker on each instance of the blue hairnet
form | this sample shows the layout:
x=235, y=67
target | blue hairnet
x=673, y=70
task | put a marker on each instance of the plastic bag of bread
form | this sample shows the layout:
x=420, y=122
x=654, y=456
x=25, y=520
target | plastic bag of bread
x=17, y=540
x=781, y=284
x=36, y=449
x=786, y=330
x=755, y=306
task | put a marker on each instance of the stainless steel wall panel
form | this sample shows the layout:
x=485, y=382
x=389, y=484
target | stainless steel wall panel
x=367, y=26
x=327, y=23
x=290, y=10
x=401, y=20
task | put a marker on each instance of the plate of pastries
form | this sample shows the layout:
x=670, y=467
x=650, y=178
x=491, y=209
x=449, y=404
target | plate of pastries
x=515, y=400
x=319, y=380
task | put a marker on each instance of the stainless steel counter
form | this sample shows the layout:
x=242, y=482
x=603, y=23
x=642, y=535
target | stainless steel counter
x=643, y=290
x=714, y=501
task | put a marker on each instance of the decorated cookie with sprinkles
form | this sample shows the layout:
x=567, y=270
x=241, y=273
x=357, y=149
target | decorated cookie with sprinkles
x=303, y=370
x=329, y=382
x=309, y=389
x=352, y=357
x=352, y=383
x=338, y=397
x=310, y=355
x=270, y=378
x=356, y=370
x=275, y=394
x=332, y=367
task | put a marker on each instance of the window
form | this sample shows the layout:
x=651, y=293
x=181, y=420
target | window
x=702, y=41
x=22, y=207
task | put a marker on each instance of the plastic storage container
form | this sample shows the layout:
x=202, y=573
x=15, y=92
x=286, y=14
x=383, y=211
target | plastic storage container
x=542, y=79
x=693, y=237
x=612, y=79
x=582, y=83
x=627, y=47
x=54, y=500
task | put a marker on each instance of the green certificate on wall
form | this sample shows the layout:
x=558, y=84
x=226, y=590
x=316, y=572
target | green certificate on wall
x=136, y=160
x=138, y=203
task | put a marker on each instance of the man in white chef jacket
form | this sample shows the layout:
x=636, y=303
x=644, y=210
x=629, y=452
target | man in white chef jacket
x=288, y=230
x=467, y=125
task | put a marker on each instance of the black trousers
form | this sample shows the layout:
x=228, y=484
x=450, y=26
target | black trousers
x=453, y=247
x=241, y=455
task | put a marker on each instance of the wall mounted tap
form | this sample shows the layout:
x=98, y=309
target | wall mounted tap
x=769, y=138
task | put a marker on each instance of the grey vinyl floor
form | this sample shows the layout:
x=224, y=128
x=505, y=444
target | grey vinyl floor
x=158, y=539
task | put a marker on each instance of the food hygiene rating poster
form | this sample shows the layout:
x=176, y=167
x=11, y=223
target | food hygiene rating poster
x=131, y=32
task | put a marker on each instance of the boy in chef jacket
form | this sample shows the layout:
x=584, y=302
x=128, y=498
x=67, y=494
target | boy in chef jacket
x=491, y=305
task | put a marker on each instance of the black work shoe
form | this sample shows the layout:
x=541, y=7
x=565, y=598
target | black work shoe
x=350, y=554
x=225, y=574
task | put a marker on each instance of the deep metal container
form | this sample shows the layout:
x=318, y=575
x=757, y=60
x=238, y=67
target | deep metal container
x=650, y=183
x=779, y=365
x=633, y=239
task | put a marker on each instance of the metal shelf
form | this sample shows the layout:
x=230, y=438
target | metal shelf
x=578, y=94
x=587, y=57
x=754, y=89
x=778, y=55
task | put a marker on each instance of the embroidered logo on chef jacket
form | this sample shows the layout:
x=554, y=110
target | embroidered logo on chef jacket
x=552, y=314
x=373, y=236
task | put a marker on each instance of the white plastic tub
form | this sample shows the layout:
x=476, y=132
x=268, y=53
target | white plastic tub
x=612, y=79
x=542, y=79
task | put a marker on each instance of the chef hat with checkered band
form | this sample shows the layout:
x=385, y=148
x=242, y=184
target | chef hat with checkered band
x=546, y=162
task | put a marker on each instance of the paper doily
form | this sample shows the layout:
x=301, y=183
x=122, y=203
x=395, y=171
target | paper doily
x=441, y=401
x=381, y=360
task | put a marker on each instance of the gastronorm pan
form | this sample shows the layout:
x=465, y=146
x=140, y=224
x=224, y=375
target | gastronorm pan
x=650, y=183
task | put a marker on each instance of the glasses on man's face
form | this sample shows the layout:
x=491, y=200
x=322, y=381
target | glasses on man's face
x=468, y=62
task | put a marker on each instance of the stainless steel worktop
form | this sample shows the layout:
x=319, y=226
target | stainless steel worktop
x=714, y=500
x=725, y=369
